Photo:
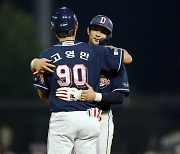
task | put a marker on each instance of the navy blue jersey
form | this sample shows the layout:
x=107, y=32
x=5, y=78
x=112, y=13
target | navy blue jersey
x=114, y=82
x=120, y=81
x=76, y=63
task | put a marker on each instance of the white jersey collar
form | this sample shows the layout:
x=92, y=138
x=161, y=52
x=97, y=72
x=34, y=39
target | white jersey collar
x=67, y=43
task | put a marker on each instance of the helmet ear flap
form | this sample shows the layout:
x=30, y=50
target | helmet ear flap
x=106, y=41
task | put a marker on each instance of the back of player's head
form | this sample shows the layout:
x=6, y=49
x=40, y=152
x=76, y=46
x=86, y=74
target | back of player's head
x=63, y=19
x=102, y=20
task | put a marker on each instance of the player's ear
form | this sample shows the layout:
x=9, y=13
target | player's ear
x=88, y=30
x=53, y=31
x=76, y=26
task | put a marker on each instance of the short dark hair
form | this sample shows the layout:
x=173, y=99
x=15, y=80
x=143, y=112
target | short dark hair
x=64, y=34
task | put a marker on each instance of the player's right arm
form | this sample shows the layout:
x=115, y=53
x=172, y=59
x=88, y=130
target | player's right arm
x=41, y=65
x=43, y=94
x=127, y=57
x=40, y=82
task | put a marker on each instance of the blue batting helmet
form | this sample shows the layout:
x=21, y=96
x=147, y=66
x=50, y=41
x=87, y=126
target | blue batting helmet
x=103, y=21
x=63, y=19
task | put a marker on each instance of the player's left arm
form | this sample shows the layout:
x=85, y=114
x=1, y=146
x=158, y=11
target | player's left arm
x=111, y=98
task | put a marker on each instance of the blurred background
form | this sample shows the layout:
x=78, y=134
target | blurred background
x=149, y=120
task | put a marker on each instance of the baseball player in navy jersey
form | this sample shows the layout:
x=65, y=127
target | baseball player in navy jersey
x=116, y=82
x=113, y=86
x=73, y=123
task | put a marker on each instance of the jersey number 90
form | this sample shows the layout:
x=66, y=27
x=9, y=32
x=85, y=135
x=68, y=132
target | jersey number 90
x=78, y=75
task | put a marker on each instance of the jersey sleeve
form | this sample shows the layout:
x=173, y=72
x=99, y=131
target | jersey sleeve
x=111, y=59
x=41, y=81
x=120, y=82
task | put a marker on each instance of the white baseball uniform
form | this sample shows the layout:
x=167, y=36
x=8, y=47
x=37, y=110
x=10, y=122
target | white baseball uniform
x=106, y=134
x=63, y=136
